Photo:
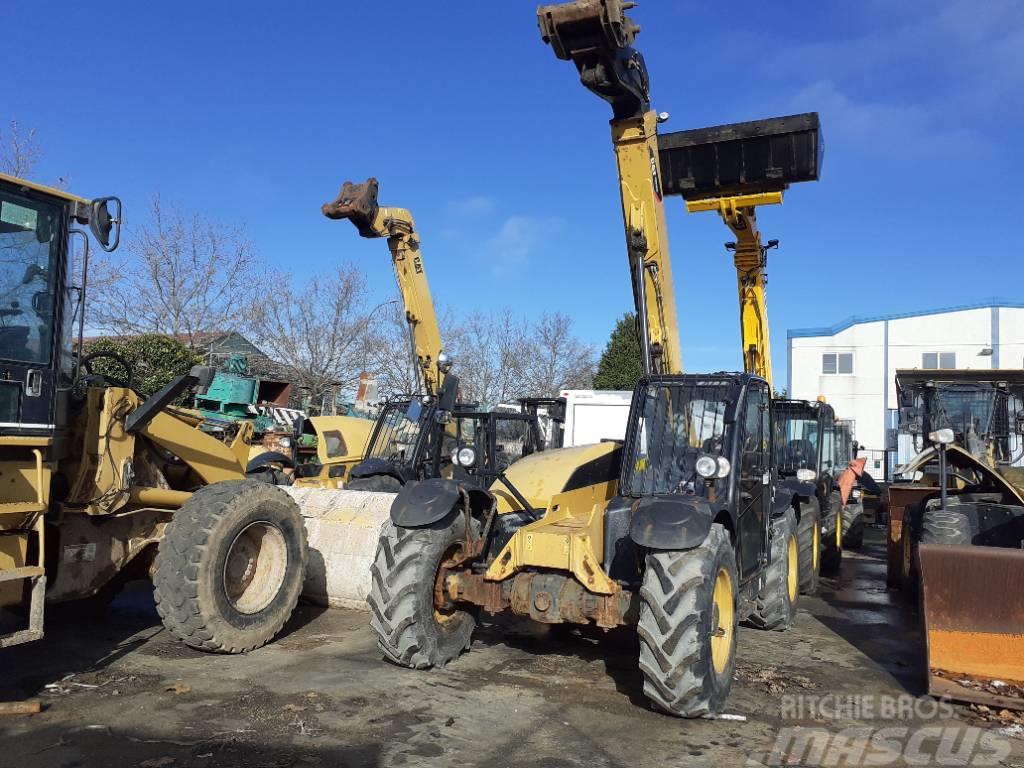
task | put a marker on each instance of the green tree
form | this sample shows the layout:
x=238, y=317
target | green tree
x=620, y=364
x=155, y=359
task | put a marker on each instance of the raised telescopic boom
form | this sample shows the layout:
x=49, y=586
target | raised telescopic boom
x=732, y=169
x=358, y=203
x=597, y=36
x=751, y=258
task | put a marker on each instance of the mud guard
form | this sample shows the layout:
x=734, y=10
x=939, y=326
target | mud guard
x=430, y=501
x=788, y=489
x=671, y=521
x=378, y=466
x=269, y=458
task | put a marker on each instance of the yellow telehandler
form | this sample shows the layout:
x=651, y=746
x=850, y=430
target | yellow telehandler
x=681, y=532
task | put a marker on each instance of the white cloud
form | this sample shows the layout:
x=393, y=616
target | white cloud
x=477, y=205
x=516, y=240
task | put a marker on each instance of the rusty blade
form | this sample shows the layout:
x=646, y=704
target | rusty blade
x=973, y=612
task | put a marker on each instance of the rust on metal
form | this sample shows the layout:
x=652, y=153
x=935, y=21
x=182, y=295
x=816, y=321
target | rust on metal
x=902, y=497
x=357, y=202
x=550, y=598
x=972, y=601
x=20, y=708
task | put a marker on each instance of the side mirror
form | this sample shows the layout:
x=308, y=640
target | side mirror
x=907, y=399
x=104, y=225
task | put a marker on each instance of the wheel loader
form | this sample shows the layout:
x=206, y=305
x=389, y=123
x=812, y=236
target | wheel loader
x=961, y=543
x=101, y=484
x=692, y=535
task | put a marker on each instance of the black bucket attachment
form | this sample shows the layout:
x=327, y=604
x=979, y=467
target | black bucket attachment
x=741, y=158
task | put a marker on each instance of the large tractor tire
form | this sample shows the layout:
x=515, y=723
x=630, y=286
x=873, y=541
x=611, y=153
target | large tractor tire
x=946, y=527
x=374, y=483
x=832, y=536
x=230, y=566
x=412, y=629
x=808, y=537
x=775, y=606
x=687, y=626
x=853, y=526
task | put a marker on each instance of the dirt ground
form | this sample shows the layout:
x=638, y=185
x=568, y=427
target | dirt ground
x=117, y=690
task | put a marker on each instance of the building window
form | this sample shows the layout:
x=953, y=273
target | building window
x=833, y=363
x=938, y=360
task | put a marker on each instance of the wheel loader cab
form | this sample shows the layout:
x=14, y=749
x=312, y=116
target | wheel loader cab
x=39, y=305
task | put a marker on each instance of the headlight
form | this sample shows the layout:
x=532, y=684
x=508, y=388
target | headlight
x=806, y=475
x=942, y=436
x=285, y=442
x=855, y=493
x=707, y=467
x=465, y=457
x=723, y=467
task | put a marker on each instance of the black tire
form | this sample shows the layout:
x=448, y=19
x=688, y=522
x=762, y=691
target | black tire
x=677, y=627
x=831, y=551
x=410, y=632
x=211, y=588
x=945, y=527
x=376, y=483
x=809, y=541
x=853, y=526
x=775, y=606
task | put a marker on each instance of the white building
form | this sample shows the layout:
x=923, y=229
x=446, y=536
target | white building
x=853, y=364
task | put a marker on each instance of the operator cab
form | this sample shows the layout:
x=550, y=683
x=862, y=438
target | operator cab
x=703, y=436
x=41, y=302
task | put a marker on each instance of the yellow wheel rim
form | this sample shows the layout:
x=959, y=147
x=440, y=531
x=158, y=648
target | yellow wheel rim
x=816, y=545
x=722, y=620
x=792, y=575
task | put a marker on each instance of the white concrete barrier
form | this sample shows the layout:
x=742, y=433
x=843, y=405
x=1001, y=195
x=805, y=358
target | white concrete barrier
x=343, y=528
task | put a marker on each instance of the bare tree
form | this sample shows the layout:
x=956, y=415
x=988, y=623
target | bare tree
x=390, y=351
x=180, y=274
x=19, y=152
x=317, y=332
x=489, y=351
x=556, y=359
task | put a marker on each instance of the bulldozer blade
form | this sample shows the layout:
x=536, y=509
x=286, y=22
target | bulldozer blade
x=972, y=607
x=342, y=528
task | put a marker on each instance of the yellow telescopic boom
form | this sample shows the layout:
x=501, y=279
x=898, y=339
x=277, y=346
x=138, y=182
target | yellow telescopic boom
x=597, y=36
x=750, y=256
x=358, y=203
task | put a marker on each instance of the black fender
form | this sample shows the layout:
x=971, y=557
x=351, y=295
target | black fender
x=671, y=521
x=269, y=458
x=430, y=501
x=782, y=502
x=796, y=487
x=378, y=466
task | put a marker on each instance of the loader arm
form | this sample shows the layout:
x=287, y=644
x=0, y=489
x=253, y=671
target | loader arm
x=597, y=37
x=358, y=203
x=750, y=257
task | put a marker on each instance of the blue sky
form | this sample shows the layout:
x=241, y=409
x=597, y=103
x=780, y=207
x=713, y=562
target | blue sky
x=256, y=112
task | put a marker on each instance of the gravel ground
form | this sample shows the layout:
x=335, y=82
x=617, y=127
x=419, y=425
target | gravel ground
x=117, y=690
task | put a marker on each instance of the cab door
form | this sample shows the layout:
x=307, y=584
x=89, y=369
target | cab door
x=32, y=245
x=754, y=479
